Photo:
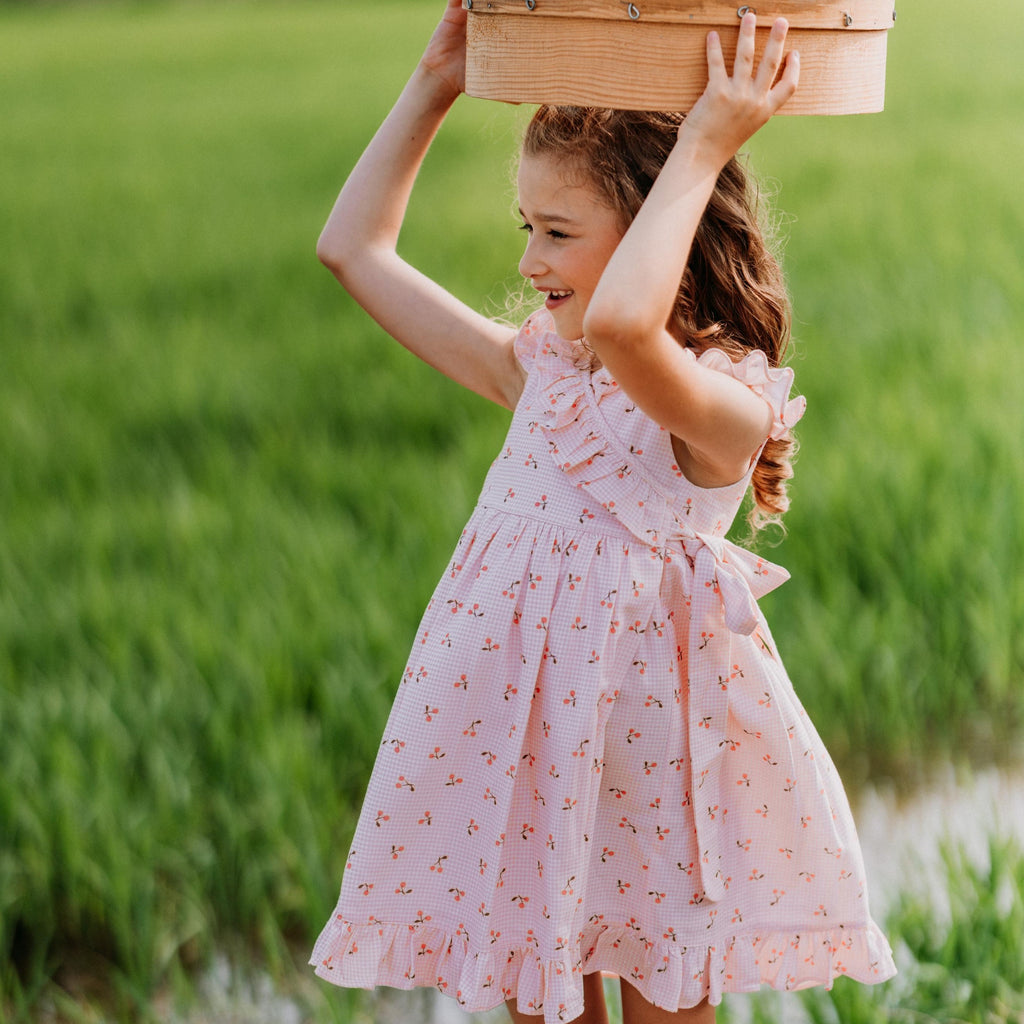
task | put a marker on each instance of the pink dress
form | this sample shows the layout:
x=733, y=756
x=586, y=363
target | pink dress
x=595, y=760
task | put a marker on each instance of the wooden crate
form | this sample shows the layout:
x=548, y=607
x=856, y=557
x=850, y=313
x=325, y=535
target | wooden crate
x=650, y=54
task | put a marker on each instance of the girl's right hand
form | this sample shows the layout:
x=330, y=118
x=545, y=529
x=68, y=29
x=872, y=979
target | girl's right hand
x=445, y=55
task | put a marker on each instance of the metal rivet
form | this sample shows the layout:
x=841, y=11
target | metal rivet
x=469, y=4
x=531, y=4
x=847, y=19
x=634, y=11
x=740, y=11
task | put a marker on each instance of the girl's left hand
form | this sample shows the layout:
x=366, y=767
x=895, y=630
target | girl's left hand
x=733, y=107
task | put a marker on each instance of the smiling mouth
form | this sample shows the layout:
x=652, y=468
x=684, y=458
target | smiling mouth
x=555, y=298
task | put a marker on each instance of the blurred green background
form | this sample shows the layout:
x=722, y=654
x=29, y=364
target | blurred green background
x=225, y=495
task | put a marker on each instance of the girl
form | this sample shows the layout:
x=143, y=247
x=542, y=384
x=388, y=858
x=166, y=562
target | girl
x=595, y=761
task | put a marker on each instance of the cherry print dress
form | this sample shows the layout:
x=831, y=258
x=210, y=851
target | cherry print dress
x=595, y=760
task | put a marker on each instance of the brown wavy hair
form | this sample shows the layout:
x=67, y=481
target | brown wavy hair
x=732, y=294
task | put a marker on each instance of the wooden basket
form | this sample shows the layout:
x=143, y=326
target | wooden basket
x=651, y=55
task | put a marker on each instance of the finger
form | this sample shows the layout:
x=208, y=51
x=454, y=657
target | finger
x=744, y=62
x=786, y=85
x=716, y=60
x=772, y=58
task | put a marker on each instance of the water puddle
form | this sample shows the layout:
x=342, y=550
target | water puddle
x=903, y=836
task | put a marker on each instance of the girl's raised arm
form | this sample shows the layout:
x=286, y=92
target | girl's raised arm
x=358, y=243
x=719, y=421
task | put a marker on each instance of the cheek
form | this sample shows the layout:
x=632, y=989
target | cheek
x=596, y=268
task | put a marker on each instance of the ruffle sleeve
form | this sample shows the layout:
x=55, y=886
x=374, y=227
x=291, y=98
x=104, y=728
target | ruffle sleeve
x=530, y=337
x=772, y=383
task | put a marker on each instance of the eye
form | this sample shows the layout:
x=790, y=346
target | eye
x=557, y=234
x=528, y=228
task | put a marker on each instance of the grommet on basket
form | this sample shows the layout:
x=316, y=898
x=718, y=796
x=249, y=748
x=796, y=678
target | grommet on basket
x=633, y=11
x=745, y=9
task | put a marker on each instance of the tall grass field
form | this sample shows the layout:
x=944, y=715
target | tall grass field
x=225, y=495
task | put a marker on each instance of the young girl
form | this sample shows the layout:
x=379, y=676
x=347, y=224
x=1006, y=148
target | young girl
x=595, y=761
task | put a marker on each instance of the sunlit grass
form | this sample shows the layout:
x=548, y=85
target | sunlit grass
x=226, y=495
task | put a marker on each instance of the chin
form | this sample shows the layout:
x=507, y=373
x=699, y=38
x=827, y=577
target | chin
x=568, y=331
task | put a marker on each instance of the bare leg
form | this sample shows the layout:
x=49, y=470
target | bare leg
x=594, y=1010
x=636, y=1010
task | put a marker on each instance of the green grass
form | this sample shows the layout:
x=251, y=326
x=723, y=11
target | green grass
x=959, y=947
x=221, y=485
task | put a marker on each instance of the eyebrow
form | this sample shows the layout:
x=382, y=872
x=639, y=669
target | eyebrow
x=549, y=218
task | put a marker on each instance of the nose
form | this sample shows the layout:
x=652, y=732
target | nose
x=531, y=265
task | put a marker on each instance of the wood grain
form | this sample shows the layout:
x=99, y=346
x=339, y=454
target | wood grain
x=647, y=65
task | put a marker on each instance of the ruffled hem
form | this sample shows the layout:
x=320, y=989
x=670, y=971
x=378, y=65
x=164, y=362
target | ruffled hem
x=666, y=974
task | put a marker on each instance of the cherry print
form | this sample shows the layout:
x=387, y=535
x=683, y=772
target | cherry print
x=596, y=503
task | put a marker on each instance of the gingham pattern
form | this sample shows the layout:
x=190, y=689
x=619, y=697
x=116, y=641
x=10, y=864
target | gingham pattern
x=595, y=759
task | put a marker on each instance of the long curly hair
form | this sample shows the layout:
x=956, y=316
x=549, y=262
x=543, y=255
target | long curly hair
x=732, y=294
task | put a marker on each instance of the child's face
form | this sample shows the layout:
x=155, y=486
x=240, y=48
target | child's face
x=572, y=234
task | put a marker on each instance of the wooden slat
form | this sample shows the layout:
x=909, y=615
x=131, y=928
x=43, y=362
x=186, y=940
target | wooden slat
x=650, y=66
x=847, y=15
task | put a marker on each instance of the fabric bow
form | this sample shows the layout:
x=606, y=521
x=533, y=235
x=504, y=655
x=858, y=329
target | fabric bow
x=727, y=580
